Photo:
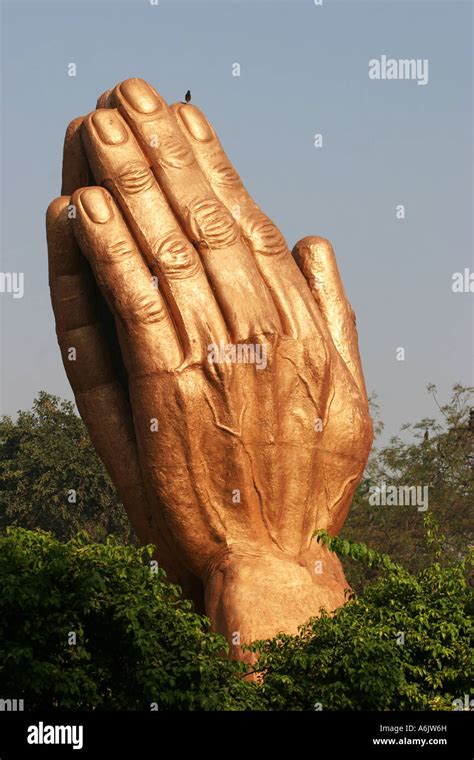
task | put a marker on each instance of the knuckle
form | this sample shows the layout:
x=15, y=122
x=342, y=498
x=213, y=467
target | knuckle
x=264, y=237
x=224, y=175
x=176, y=256
x=135, y=178
x=212, y=224
x=174, y=152
x=144, y=308
x=119, y=251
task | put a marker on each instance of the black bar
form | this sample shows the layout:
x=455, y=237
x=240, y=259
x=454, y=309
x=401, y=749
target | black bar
x=158, y=734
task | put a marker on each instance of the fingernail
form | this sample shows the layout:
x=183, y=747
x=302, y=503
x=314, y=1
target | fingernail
x=140, y=96
x=109, y=127
x=96, y=205
x=195, y=123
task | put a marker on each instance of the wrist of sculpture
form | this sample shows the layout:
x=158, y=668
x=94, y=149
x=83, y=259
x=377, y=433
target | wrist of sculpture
x=251, y=596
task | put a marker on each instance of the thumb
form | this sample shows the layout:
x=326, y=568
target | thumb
x=315, y=257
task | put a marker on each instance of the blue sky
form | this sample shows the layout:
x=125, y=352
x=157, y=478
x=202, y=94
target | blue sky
x=304, y=70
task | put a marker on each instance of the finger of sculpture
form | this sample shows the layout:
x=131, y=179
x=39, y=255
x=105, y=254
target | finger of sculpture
x=315, y=257
x=73, y=296
x=296, y=307
x=122, y=168
x=147, y=337
x=103, y=101
x=102, y=402
x=209, y=225
x=76, y=172
x=111, y=402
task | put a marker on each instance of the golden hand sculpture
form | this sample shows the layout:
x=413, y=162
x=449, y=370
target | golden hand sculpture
x=242, y=424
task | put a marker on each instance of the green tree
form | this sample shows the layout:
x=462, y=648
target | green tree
x=93, y=626
x=51, y=476
x=437, y=454
x=405, y=644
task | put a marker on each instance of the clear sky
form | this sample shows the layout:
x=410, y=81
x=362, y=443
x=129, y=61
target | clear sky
x=304, y=70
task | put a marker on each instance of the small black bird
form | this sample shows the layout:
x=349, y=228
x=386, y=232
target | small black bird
x=427, y=435
x=187, y=97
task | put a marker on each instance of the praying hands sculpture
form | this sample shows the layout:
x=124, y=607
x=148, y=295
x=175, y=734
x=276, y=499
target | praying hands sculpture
x=228, y=403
